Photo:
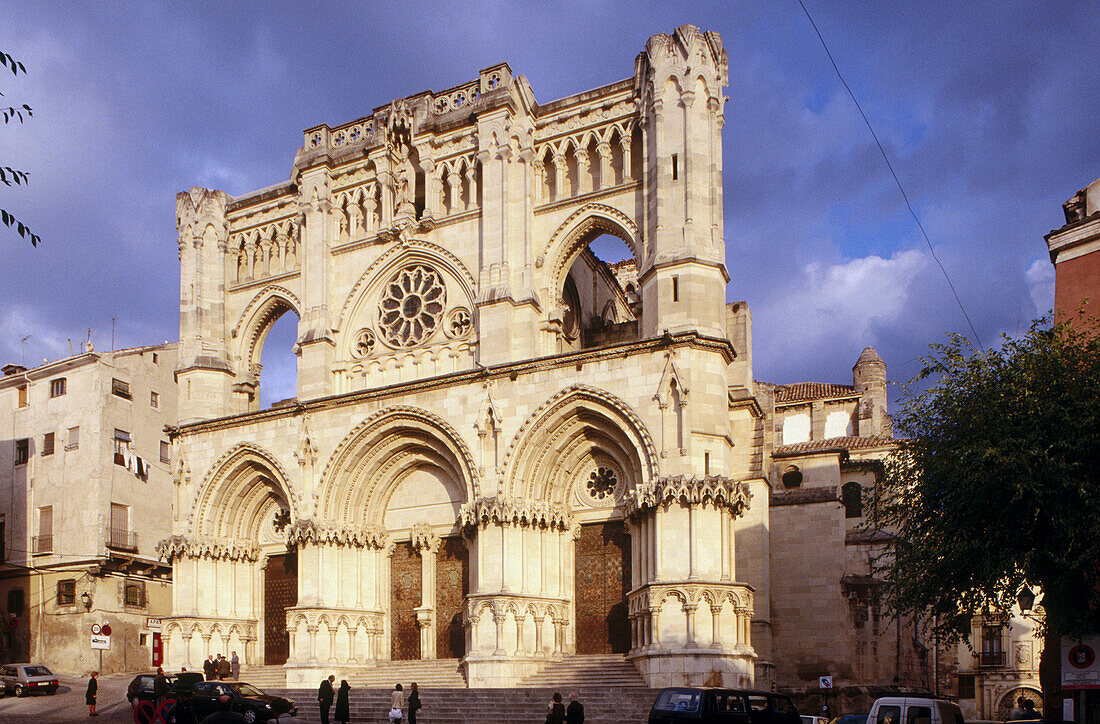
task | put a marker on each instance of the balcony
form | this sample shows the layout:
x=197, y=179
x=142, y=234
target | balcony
x=991, y=659
x=122, y=540
x=41, y=545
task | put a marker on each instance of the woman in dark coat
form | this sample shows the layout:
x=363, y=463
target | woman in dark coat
x=343, y=709
x=93, y=691
x=414, y=703
x=555, y=710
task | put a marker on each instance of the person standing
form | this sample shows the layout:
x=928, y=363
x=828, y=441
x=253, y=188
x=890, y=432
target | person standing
x=325, y=695
x=397, y=703
x=555, y=710
x=92, y=693
x=208, y=668
x=343, y=708
x=414, y=703
x=160, y=687
x=223, y=667
x=235, y=667
x=574, y=713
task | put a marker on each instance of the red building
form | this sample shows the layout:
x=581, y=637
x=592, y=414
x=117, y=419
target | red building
x=1075, y=253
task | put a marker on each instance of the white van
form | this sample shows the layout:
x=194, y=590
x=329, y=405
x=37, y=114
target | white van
x=914, y=710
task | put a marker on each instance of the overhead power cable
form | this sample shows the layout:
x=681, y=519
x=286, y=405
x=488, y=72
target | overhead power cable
x=897, y=181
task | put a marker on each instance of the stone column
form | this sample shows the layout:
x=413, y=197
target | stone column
x=454, y=182
x=471, y=185
x=560, y=177
x=689, y=614
x=539, y=168
x=312, y=630
x=519, y=635
x=584, y=176
x=716, y=626
x=539, y=620
x=498, y=619
x=187, y=641
x=331, y=643
x=655, y=627
x=426, y=544
x=606, y=178
x=624, y=144
x=353, y=657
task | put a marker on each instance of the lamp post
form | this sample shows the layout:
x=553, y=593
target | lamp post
x=86, y=600
x=1026, y=599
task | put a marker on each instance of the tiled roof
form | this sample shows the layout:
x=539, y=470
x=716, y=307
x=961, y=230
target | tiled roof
x=811, y=391
x=834, y=444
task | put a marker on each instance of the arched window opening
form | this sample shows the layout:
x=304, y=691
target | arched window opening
x=278, y=362
x=851, y=495
x=678, y=413
x=595, y=294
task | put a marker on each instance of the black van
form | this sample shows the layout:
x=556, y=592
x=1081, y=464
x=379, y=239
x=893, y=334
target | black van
x=727, y=706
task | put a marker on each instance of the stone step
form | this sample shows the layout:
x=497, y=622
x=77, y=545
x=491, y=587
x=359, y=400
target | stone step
x=586, y=670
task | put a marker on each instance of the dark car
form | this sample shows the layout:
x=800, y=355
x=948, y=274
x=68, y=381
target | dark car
x=245, y=699
x=852, y=719
x=141, y=688
x=23, y=679
x=729, y=706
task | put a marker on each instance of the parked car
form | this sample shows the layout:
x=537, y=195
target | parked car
x=23, y=679
x=852, y=719
x=914, y=710
x=141, y=688
x=729, y=706
x=246, y=699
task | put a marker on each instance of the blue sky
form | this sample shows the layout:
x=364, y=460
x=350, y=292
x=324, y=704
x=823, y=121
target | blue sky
x=989, y=112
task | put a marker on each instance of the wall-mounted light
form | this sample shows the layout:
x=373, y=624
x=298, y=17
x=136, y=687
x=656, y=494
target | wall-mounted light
x=86, y=600
x=1026, y=599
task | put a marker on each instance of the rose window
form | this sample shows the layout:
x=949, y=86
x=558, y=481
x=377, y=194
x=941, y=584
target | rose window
x=364, y=343
x=601, y=483
x=411, y=306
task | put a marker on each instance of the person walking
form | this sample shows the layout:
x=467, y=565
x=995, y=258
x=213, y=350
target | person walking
x=414, y=703
x=397, y=703
x=235, y=667
x=343, y=707
x=574, y=713
x=555, y=710
x=160, y=687
x=92, y=693
x=325, y=695
x=209, y=668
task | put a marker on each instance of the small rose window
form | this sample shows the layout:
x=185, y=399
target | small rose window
x=602, y=483
x=412, y=306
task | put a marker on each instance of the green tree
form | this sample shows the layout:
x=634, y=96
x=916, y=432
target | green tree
x=10, y=176
x=996, y=486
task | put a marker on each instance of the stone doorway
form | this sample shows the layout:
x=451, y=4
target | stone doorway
x=406, y=587
x=280, y=593
x=452, y=575
x=602, y=583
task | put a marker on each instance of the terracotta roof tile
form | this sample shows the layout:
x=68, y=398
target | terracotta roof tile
x=834, y=444
x=811, y=391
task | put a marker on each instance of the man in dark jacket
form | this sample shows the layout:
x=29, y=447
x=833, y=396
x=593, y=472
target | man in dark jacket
x=574, y=713
x=209, y=668
x=325, y=695
x=223, y=667
x=160, y=687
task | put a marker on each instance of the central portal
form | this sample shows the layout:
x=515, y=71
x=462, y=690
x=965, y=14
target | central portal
x=280, y=593
x=452, y=571
x=406, y=590
x=602, y=584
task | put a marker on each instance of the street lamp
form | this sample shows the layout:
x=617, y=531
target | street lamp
x=86, y=600
x=1026, y=599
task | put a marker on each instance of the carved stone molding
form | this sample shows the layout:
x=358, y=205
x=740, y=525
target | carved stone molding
x=714, y=489
x=179, y=546
x=324, y=533
x=514, y=512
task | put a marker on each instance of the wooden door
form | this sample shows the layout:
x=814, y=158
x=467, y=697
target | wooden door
x=452, y=575
x=406, y=589
x=602, y=582
x=280, y=593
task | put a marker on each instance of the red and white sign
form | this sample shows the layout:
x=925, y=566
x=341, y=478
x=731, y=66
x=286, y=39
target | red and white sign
x=1080, y=669
x=96, y=629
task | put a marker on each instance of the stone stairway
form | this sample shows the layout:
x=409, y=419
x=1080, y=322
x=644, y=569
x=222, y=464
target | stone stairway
x=586, y=671
x=438, y=673
x=603, y=704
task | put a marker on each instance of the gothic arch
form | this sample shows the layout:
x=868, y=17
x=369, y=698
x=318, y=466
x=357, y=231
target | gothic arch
x=237, y=493
x=567, y=430
x=374, y=457
x=574, y=234
x=256, y=320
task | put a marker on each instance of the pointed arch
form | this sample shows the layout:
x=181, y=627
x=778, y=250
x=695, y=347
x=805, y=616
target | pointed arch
x=256, y=320
x=240, y=490
x=378, y=454
x=579, y=423
x=574, y=234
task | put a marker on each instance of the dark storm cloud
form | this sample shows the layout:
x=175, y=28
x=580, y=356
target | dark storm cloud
x=986, y=110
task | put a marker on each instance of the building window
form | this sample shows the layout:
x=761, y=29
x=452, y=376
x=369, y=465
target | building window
x=22, y=391
x=675, y=288
x=156, y=358
x=122, y=447
x=66, y=592
x=121, y=537
x=134, y=594
x=72, y=442
x=993, y=652
x=143, y=639
x=57, y=387
x=47, y=444
x=43, y=542
x=165, y=451
x=15, y=601
x=121, y=389
x=796, y=428
x=22, y=451
x=154, y=400
x=966, y=686
x=851, y=495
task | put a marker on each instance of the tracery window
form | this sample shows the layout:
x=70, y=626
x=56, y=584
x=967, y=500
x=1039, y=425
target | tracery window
x=411, y=306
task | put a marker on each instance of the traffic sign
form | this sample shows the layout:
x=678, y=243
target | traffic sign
x=825, y=682
x=106, y=630
x=95, y=629
x=101, y=642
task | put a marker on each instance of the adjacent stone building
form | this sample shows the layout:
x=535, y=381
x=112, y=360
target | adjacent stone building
x=503, y=450
x=85, y=494
x=1075, y=253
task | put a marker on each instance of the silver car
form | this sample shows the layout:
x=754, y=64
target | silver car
x=23, y=679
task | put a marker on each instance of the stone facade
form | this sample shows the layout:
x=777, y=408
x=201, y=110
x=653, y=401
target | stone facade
x=503, y=449
x=86, y=494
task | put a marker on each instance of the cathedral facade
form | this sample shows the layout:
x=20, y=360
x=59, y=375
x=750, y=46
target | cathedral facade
x=503, y=450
